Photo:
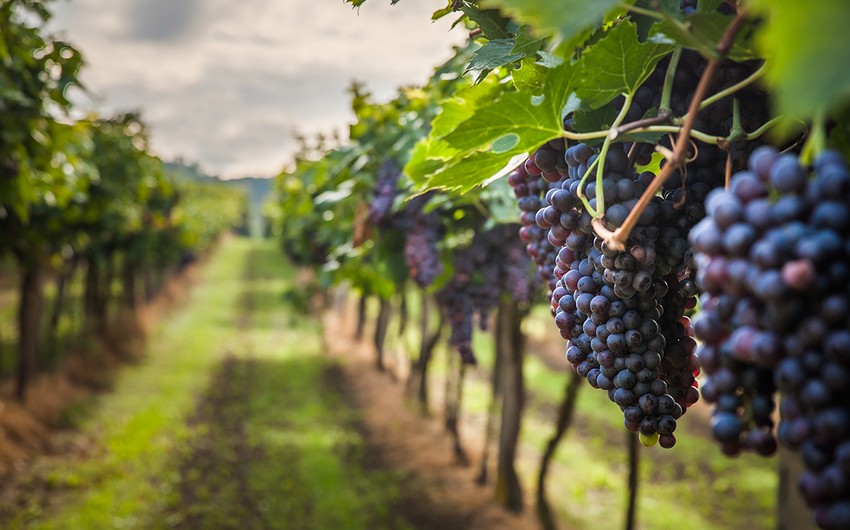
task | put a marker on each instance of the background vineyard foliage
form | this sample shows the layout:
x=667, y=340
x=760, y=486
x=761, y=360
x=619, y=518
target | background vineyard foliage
x=557, y=73
x=83, y=195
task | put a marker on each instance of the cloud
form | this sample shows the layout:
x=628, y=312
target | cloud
x=228, y=84
x=162, y=20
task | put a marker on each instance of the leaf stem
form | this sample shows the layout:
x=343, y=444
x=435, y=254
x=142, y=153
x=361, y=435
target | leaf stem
x=763, y=129
x=755, y=76
x=737, y=129
x=580, y=190
x=580, y=137
x=667, y=90
x=600, y=168
x=816, y=143
x=699, y=135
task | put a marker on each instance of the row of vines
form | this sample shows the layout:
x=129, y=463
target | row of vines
x=667, y=177
x=87, y=213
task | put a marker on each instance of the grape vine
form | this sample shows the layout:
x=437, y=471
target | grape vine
x=625, y=130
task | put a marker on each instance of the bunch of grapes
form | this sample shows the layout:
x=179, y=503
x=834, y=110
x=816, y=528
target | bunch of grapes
x=385, y=192
x=493, y=264
x=544, y=170
x=420, y=245
x=774, y=263
x=623, y=311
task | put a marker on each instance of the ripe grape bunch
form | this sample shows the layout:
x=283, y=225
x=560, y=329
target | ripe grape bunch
x=385, y=192
x=774, y=263
x=623, y=312
x=530, y=184
x=493, y=264
x=420, y=244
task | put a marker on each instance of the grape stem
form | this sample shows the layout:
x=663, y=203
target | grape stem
x=663, y=118
x=755, y=76
x=816, y=142
x=669, y=77
x=763, y=129
x=646, y=126
x=600, y=167
x=616, y=240
x=737, y=129
x=580, y=190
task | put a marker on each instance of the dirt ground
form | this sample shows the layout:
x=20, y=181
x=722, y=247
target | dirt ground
x=442, y=494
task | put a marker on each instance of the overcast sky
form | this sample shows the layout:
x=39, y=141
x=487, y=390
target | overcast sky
x=226, y=84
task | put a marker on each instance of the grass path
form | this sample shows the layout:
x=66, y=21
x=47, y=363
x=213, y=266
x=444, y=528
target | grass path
x=232, y=421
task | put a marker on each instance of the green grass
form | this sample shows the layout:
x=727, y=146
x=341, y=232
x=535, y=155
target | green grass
x=141, y=422
x=304, y=471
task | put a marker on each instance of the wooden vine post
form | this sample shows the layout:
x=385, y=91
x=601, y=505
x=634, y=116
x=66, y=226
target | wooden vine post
x=511, y=341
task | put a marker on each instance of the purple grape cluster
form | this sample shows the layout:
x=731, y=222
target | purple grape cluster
x=774, y=264
x=493, y=264
x=530, y=184
x=420, y=247
x=623, y=311
x=385, y=192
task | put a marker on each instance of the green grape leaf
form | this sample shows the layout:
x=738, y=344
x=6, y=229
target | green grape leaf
x=475, y=169
x=702, y=32
x=568, y=17
x=428, y=157
x=645, y=22
x=440, y=13
x=808, y=55
x=527, y=43
x=513, y=113
x=492, y=55
x=594, y=119
x=617, y=64
x=491, y=22
x=496, y=137
x=506, y=143
x=529, y=77
x=462, y=106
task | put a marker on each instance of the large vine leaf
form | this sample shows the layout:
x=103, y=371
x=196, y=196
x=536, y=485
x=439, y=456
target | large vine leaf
x=491, y=139
x=513, y=114
x=528, y=42
x=472, y=170
x=429, y=156
x=530, y=76
x=461, y=107
x=492, y=55
x=491, y=22
x=567, y=17
x=808, y=55
x=619, y=63
x=533, y=120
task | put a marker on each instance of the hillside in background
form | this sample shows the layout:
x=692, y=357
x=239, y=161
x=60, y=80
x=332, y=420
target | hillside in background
x=256, y=188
